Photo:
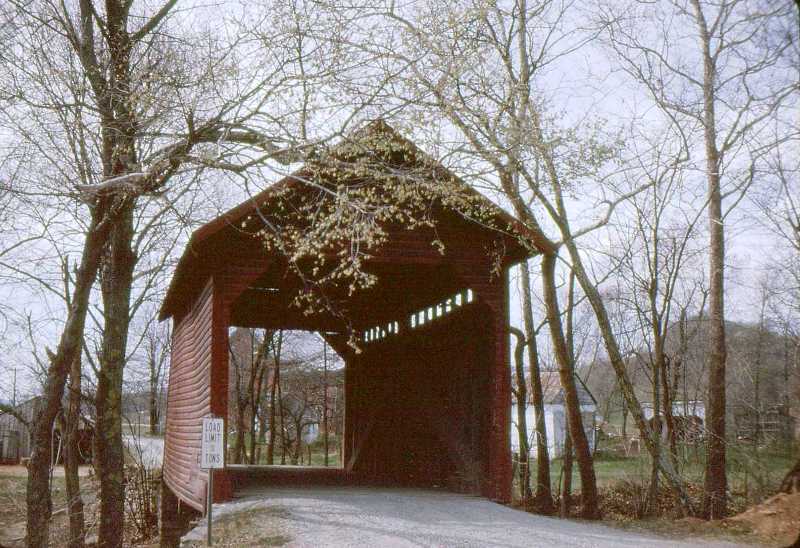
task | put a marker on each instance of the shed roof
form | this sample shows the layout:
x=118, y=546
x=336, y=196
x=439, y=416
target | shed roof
x=363, y=141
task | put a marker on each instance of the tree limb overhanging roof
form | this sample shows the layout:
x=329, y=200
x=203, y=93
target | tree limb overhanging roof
x=522, y=240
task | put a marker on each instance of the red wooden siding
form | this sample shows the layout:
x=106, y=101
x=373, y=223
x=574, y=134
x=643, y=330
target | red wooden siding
x=189, y=400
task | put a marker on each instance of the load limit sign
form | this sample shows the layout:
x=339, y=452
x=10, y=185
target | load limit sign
x=212, y=453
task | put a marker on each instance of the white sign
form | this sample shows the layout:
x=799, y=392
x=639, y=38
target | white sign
x=212, y=453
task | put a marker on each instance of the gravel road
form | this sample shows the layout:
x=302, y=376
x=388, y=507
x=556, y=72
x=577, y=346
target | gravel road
x=373, y=517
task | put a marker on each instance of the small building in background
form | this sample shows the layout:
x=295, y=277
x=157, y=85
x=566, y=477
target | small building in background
x=15, y=436
x=690, y=408
x=688, y=420
x=555, y=416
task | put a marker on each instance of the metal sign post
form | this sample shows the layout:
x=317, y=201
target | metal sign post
x=209, y=504
x=212, y=455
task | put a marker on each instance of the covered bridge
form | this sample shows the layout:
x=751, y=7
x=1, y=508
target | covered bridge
x=427, y=384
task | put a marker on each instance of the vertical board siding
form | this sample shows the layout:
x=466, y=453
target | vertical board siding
x=422, y=407
x=492, y=290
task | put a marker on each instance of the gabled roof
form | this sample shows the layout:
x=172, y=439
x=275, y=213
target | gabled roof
x=360, y=142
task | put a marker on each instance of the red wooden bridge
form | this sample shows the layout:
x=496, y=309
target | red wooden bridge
x=427, y=398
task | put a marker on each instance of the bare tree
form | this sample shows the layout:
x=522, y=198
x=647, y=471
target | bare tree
x=520, y=393
x=274, y=397
x=533, y=162
x=148, y=359
x=726, y=80
x=249, y=353
x=543, y=498
x=141, y=112
x=656, y=249
x=325, y=404
x=71, y=425
x=780, y=207
x=157, y=351
x=493, y=113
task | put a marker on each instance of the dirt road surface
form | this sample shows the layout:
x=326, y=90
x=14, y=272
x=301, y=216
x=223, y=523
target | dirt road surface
x=372, y=517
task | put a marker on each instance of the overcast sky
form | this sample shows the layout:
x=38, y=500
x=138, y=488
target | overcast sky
x=585, y=85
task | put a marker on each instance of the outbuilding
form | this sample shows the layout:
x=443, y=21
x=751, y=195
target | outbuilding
x=555, y=416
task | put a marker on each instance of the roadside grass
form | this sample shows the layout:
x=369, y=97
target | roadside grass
x=13, y=484
x=691, y=529
x=754, y=473
x=318, y=457
x=252, y=527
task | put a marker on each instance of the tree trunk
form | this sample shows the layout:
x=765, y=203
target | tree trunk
x=624, y=421
x=254, y=457
x=657, y=366
x=273, y=392
x=543, y=497
x=39, y=504
x=566, y=474
x=119, y=130
x=282, y=417
x=155, y=417
x=276, y=376
x=271, y=438
x=669, y=386
x=259, y=366
x=521, y=396
x=325, y=400
x=116, y=281
x=71, y=431
x=262, y=436
x=238, y=443
x=251, y=456
x=250, y=400
x=590, y=508
x=298, y=446
x=715, y=499
x=238, y=452
x=652, y=491
x=791, y=482
x=716, y=483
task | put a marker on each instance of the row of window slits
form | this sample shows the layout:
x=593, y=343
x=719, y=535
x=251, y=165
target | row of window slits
x=421, y=317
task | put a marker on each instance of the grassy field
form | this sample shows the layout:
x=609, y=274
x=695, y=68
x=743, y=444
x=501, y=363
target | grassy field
x=753, y=473
x=317, y=453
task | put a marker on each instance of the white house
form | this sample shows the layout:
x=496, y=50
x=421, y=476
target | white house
x=691, y=408
x=555, y=418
